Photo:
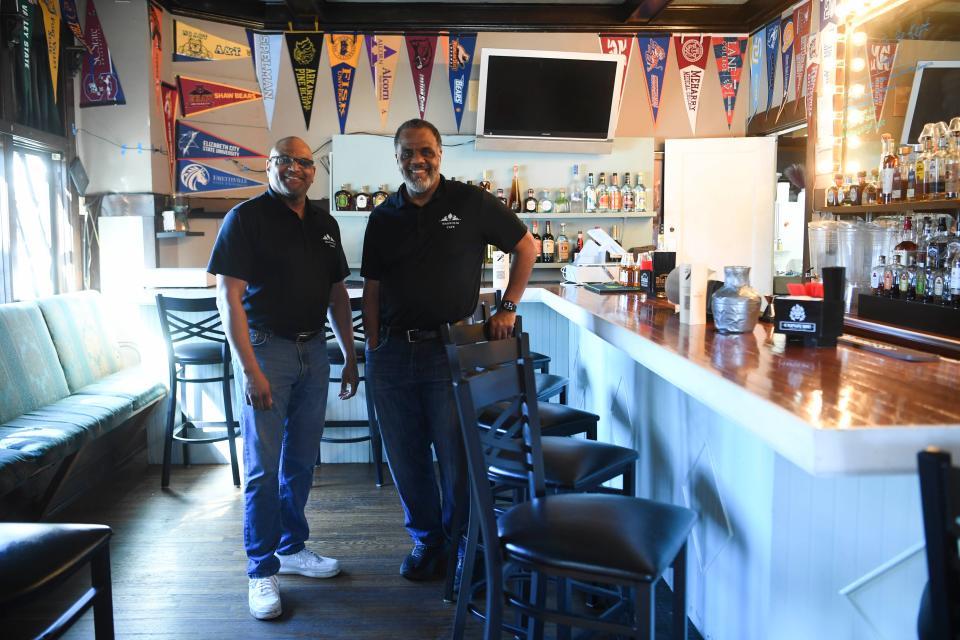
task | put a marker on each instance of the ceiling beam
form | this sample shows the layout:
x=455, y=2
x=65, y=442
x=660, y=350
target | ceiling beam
x=644, y=10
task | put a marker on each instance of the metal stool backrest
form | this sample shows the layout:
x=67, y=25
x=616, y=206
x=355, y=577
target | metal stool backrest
x=486, y=304
x=940, y=496
x=177, y=328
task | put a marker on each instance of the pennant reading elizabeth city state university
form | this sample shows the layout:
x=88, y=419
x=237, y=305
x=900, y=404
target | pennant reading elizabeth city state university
x=692, y=55
x=266, y=62
x=168, y=94
x=191, y=44
x=384, y=54
x=421, y=49
x=200, y=96
x=68, y=9
x=51, y=29
x=801, y=22
x=344, y=53
x=729, y=55
x=772, y=35
x=196, y=177
x=461, y=47
x=101, y=84
x=880, y=54
x=613, y=43
x=654, y=51
x=756, y=70
x=197, y=144
x=304, y=49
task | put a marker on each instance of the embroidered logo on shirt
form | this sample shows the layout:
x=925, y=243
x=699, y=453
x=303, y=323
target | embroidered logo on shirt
x=329, y=240
x=449, y=221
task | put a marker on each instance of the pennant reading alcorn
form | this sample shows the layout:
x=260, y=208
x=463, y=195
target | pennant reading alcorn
x=384, y=54
x=344, y=53
x=614, y=43
x=880, y=54
x=192, y=44
x=200, y=96
x=194, y=143
x=654, y=51
x=101, y=84
x=692, y=55
x=460, y=60
x=728, y=53
x=196, y=177
x=304, y=48
x=51, y=29
x=421, y=49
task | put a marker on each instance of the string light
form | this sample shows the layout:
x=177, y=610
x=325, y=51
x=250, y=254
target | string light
x=858, y=64
x=855, y=116
x=859, y=38
x=857, y=90
x=854, y=142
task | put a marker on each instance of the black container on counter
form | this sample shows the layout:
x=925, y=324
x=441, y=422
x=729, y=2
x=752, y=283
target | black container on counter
x=663, y=263
x=813, y=321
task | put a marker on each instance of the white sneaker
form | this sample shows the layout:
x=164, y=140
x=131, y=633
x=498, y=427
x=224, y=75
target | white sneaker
x=263, y=595
x=307, y=563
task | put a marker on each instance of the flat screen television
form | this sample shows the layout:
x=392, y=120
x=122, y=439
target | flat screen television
x=552, y=95
x=935, y=96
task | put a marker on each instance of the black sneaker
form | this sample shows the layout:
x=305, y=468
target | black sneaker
x=424, y=563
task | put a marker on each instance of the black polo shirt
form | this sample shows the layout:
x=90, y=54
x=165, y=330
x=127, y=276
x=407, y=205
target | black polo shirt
x=289, y=265
x=429, y=259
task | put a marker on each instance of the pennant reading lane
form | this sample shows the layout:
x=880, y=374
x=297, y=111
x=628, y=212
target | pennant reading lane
x=197, y=144
x=200, y=96
x=196, y=177
x=728, y=53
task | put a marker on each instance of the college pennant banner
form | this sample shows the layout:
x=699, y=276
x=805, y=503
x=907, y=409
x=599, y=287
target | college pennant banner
x=786, y=52
x=801, y=22
x=155, y=15
x=200, y=96
x=196, y=144
x=23, y=53
x=68, y=11
x=813, y=69
x=344, y=54
x=266, y=64
x=421, y=49
x=728, y=52
x=384, y=55
x=460, y=60
x=196, y=177
x=305, y=48
x=772, y=35
x=654, y=50
x=880, y=55
x=192, y=44
x=101, y=84
x=692, y=55
x=51, y=29
x=622, y=45
x=756, y=70
x=169, y=109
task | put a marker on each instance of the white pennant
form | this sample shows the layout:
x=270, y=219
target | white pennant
x=266, y=63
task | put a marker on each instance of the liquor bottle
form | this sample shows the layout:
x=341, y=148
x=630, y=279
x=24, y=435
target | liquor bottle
x=380, y=196
x=920, y=285
x=470, y=183
x=955, y=281
x=938, y=287
x=908, y=176
x=937, y=245
x=546, y=204
x=343, y=199
x=930, y=274
x=908, y=281
x=576, y=191
x=514, y=200
x=502, y=198
x=923, y=160
x=549, y=245
x=834, y=191
x=579, y=241
x=937, y=168
x=907, y=247
x=629, y=201
x=870, y=191
x=614, y=194
x=891, y=278
x=590, y=196
x=953, y=161
x=888, y=168
x=640, y=195
x=530, y=203
x=562, y=203
x=862, y=187
x=851, y=194
x=362, y=200
x=563, y=244
x=537, y=241
x=603, y=195
x=485, y=183
x=876, y=276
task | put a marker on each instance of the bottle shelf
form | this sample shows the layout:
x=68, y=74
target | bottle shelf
x=537, y=265
x=893, y=207
x=542, y=216
x=351, y=214
x=179, y=234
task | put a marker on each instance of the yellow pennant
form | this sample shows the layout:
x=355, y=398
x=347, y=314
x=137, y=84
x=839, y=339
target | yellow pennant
x=384, y=56
x=51, y=28
x=191, y=44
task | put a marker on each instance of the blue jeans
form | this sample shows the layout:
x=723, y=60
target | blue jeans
x=280, y=448
x=415, y=406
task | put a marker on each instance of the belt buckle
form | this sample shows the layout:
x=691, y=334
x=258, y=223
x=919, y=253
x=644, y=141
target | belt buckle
x=304, y=336
x=412, y=335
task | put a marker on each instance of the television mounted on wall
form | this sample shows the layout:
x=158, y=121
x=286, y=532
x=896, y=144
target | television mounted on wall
x=934, y=96
x=548, y=100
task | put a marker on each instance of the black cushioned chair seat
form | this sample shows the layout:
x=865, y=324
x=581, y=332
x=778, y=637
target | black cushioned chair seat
x=95, y=414
x=551, y=532
x=45, y=443
x=571, y=464
x=15, y=467
x=136, y=383
x=33, y=555
x=199, y=352
x=549, y=385
x=336, y=356
x=555, y=419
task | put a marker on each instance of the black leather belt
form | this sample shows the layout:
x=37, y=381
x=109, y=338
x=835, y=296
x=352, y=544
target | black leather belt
x=303, y=336
x=414, y=335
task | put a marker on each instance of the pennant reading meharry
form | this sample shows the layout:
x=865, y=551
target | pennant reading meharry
x=304, y=49
x=200, y=96
x=421, y=49
x=344, y=53
x=728, y=53
x=51, y=29
x=460, y=60
x=880, y=54
x=192, y=44
x=384, y=54
x=613, y=43
x=756, y=70
x=194, y=143
x=101, y=84
x=168, y=95
x=196, y=177
x=266, y=63
x=692, y=55
x=68, y=10
x=772, y=35
x=654, y=51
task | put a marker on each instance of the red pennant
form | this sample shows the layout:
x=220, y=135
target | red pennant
x=880, y=55
x=200, y=96
x=421, y=50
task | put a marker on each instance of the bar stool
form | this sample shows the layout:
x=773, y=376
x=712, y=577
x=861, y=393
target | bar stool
x=193, y=342
x=36, y=558
x=336, y=359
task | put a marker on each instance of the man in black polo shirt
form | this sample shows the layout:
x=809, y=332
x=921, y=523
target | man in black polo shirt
x=422, y=262
x=280, y=268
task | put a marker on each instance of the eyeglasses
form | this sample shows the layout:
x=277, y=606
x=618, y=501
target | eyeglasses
x=286, y=161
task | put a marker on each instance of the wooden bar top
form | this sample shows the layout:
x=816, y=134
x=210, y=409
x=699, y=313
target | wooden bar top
x=829, y=410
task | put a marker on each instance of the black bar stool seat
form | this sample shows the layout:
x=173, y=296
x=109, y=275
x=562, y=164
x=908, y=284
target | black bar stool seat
x=571, y=464
x=199, y=353
x=555, y=419
x=550, y=385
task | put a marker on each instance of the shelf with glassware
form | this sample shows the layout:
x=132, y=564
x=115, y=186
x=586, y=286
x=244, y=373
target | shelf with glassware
x=610, y=215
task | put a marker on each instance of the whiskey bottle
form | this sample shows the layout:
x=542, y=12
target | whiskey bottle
x=380, y=196
x=362, y=200
x=485, y=183
x=514, y=201
x=579, y=246
x=628, y=196
x=502, y=198
x=907, y=247
x=546, y=205
x=851, y=194
x=869, y=192
x=876, y=276
x=891, y=278
x=562, y=203
x=908, y=281
x=590, y=196
x=888, y=168
x=953, y=161
x=920, y=284
x=576, y=192
x=563, y=244
x=640, y=195
x=834, y=191
x=615, y=195
x=537, y=242
x=343, y=199
x=549, y=245
x=603, y=195
x=530, y=202
x=923, y=160
x=908, y=174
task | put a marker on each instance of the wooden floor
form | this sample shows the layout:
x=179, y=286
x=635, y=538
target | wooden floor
x=179, y=565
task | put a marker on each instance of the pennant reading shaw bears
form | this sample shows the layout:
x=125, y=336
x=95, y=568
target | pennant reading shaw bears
x=200, y=96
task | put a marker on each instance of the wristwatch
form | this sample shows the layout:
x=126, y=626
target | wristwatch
x=507, y=305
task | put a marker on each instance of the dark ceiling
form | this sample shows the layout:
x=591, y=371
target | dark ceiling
x=718, y=16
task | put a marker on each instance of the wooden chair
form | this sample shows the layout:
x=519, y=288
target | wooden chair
x=939, y=617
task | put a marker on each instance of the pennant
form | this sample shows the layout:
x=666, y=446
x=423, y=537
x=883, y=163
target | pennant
x=460, y=60
x=101, y=84
x=200, y=96
x=828, y=13
x=880, y=55
x=68, y=11
x=266, y=64
x=421, y=49
x=155, y=15
x=305, y=48
x=828, y=80
x=192, y=44
x=801, y=21
x=756, y=70
x=194, y=143
x=692, y=59
x=51, y=29
x=654, y=50
x=196, y=177
x=813, y=69
x=384, y=54
x=613, y=43
x=728, y=53
x=344, y=54
x=772, y=34
x=787, y=36
x=169, y=109
x=23, y=53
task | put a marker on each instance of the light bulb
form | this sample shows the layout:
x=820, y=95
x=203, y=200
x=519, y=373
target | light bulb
x=825, y=166
x=858, y=64
x=854, y=142
x=859, y=38
x=853, y=167
x=855, y=116
x=857, y=90
x=841, y=10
